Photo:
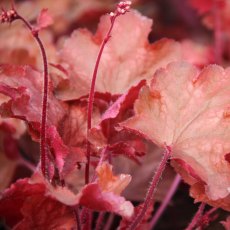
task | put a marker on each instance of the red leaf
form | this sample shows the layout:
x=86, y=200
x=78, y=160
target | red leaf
x=41, y=212
x=25, y=205
x=12, y=200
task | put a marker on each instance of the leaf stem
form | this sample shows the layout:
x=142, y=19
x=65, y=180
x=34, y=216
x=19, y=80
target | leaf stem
x=165, y=202
x=27, y=164
x=149, y=196
x=197, y=217
x=109, y=222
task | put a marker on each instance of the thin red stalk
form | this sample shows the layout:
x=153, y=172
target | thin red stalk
x=91, y=96
x=86, y=218
x=88, y=222
x=165, y=202
x=208, y=216
x=197, y=217
x=209, y=212
x=45, y=96
x=100, y=219
x=77, y=217
x=149, y=196
x=109, y=222
x=218, y=49
x=27, y=164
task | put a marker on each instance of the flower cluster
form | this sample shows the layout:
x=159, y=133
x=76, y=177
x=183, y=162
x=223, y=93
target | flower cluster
x=8, y=16
x=122, y=8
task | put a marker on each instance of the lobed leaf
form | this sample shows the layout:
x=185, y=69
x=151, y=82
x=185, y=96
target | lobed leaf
x=188, y=110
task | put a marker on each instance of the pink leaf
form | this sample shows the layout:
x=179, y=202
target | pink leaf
x=124, y=62
x=104, y=194
x=188, y=110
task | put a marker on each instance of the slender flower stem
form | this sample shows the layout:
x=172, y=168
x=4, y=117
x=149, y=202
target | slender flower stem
x=218, y=49
x=207, y=218
x=27, y=164
x=197, y=217
x=91, y=96
x=100, y=219
x=122, y=8
x=45, y=95
x=77, y=217
x=209, y=212
x=88, y=223
x=109, y=222
x=165, y=202
x=149, y=196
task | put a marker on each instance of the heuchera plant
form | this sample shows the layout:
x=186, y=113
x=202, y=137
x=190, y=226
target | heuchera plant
x=109, y=99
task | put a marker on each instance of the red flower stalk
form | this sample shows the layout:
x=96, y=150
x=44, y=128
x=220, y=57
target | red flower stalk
x=197, y=217
x=166, y=201
x=121, y=9
x=9, y=17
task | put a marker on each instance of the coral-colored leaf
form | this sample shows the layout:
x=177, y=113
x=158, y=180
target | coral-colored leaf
x=197, y=53
x=94, y=198
x=101, y=195
x=124, y=62
x=17, y=46
x=104, y=194
x=189, y=111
